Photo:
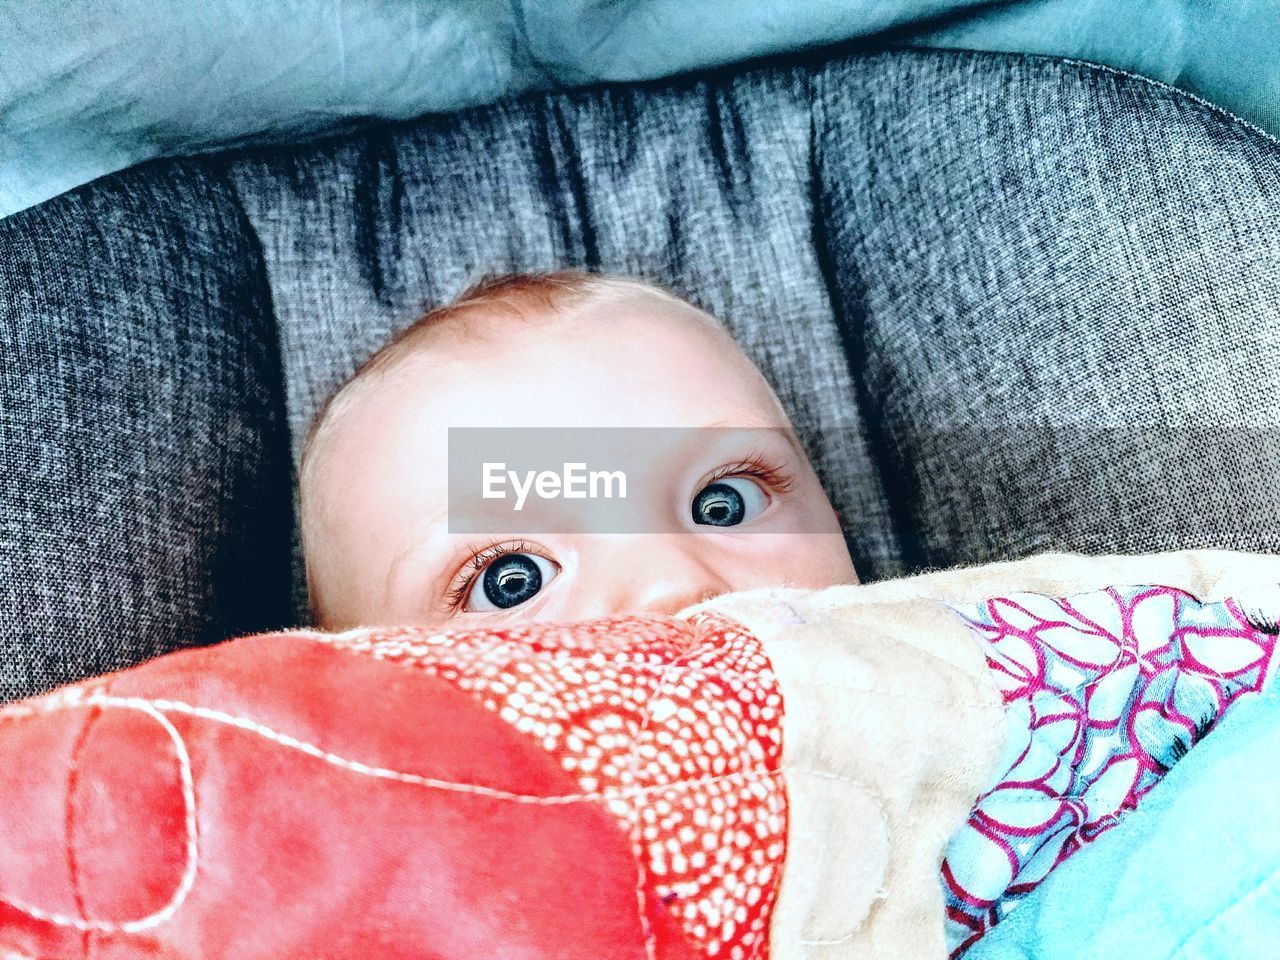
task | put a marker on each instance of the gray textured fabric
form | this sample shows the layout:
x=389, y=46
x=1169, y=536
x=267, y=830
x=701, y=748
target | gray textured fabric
x=144, y=497
x=1054, y=283
x=1012, y=304
x=704, y=186
x=1060, y=288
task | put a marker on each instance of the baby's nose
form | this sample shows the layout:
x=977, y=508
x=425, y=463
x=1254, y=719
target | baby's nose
x=666, y=575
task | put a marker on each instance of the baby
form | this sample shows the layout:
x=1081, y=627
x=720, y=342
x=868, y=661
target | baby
x=564, y=349
x=1103, y=690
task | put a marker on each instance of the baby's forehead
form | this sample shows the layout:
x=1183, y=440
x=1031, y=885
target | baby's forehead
x=385, y=453
x=578, y=361
x=607, y=361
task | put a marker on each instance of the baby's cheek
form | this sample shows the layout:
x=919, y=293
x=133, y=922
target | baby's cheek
x=807, y=560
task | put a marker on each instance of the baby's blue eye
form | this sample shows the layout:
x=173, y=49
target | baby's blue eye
x=509, y=581
x=729, y=502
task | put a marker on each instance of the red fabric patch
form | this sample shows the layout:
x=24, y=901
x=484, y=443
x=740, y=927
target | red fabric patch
x=609, y=788
x=675, y=726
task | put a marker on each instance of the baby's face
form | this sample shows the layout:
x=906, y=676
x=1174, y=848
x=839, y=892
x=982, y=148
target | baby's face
x=381, y=552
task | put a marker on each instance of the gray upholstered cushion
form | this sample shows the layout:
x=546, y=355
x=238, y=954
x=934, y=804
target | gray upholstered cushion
x=144, y=483
x=706, y=187
x=1011, y=303
x=1060, y=290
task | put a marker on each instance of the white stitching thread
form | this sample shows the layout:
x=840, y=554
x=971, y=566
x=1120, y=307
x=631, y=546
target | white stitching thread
x=156, y=709
x=188, y=879
x=877, y=801
x=1161, y=85
x=384, y=773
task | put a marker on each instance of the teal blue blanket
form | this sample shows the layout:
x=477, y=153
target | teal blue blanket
x=89, y=87
x=1192, y=874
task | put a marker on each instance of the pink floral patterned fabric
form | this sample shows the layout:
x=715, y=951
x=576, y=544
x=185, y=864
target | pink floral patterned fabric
x=1104, y=692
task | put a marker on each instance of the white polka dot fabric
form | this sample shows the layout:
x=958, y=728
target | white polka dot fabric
x=673, y=725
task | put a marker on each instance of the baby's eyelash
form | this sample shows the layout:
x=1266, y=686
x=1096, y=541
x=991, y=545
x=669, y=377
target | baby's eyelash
x=457, y=594
x=757, y=468
x=754, y=466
